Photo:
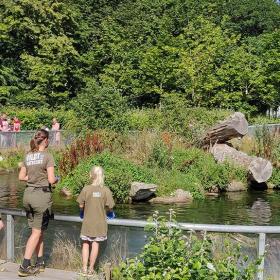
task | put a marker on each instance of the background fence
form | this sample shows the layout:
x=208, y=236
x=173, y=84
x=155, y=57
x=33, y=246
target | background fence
x=273, y=128
x=21, y=139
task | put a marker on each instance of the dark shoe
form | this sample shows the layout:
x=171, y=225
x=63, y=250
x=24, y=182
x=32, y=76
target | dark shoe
x=41, y=266
x=28, y=271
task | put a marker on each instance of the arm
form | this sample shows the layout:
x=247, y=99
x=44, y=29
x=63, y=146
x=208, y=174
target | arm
x=22, y=176
x=51, y=177
x=109, y=205
x=81, y=201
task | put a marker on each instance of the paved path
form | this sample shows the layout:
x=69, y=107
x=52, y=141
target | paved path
x=8, y=271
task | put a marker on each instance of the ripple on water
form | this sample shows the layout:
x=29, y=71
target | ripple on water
x=259, y=208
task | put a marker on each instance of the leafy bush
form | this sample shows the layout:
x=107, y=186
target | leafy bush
x=275, y=178
x=170, y=255
x=100, y=107
x=119, y=173
x=194, y=170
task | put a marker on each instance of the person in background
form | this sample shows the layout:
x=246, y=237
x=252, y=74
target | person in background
x=1, y=119
x=16, y=124
x=55, y=129
x=4, y=128
x=38, y=172
x=1, y=222
x=94, y=201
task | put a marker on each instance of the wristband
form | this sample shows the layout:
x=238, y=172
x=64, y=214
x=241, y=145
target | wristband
x=81, y=213
x=111, y=215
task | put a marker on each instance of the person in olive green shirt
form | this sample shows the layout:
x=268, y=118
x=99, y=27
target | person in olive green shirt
x=94, y=200
x=38, y=173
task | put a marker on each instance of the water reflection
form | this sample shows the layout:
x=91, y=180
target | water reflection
x=260, y=208
x=260, y=212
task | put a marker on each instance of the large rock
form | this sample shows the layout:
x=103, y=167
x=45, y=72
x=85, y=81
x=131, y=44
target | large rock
x=141, y=191
x=180, y=196
x=260, y=169
x=236, y=186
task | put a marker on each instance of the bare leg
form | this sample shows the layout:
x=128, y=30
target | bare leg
x=40, y=246
x=85, y=254
x=32, y=243
x=93, y=255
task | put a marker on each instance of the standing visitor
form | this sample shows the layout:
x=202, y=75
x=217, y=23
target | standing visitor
x=4, y=131
x=55, y=129
x=15, y=127
x=16, y=124
x=38, y=172
x=94, y=201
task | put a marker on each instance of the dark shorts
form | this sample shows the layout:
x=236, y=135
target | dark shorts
x=37, y=203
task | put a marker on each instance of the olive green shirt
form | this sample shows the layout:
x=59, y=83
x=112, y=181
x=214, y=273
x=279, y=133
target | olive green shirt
x=95, y=200
x=36, y=164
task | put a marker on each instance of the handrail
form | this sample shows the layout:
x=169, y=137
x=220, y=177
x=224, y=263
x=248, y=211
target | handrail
x=260, y=230
x=184, y=226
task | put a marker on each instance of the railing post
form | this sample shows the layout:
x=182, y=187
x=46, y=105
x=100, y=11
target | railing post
x=261, y=251
x=10, y=238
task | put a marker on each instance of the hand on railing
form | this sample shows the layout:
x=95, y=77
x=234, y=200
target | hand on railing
x=81, y=213
x=111, y=215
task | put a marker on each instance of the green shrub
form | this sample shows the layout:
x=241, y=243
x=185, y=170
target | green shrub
x=201, y=170
x=170, y=255
x=275, y=178
x=160, y=155
x=171, y=180
x=119, y=173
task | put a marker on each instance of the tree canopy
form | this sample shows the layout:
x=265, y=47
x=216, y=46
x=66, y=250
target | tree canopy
x=217, y=53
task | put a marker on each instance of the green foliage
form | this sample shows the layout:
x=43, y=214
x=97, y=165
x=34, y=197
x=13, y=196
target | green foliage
x=119, y=173
x=171, y=255
x=36, y=118
x=100, y=107
x=196, y=171
x=166, y=165
x=207, y=53
x=11, y=158
x=174, y=115
x=38, y=53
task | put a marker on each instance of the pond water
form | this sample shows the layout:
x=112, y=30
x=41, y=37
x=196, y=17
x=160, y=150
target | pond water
x=248, y=208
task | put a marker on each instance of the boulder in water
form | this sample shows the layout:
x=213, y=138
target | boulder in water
x=180, y=196
x=141, y=191
x=236, y=186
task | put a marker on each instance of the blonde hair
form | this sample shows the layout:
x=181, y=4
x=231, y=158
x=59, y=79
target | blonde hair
x=97, y=176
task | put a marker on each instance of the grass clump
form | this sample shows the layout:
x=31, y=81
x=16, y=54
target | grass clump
x=194, y=170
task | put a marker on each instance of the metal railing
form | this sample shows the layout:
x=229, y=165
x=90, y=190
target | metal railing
x=13, y=139
x=273, y=128
x=261, y=231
